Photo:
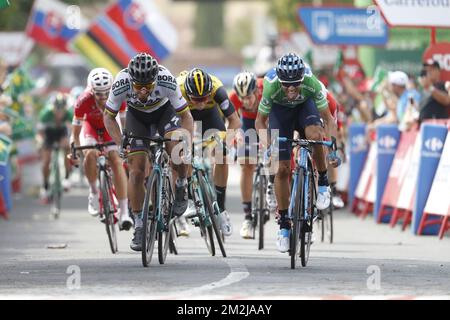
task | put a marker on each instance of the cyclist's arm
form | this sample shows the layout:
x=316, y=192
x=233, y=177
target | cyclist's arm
x=117, y=96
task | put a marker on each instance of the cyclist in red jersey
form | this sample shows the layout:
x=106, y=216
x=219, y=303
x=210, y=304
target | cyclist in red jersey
x=245, y=97
x=89, y=129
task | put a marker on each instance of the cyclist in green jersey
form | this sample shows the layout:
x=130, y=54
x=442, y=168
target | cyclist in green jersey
x=293, y=99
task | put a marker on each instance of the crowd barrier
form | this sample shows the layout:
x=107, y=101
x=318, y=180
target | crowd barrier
x=405, y=177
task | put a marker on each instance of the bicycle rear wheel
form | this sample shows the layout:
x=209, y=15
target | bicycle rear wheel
x=164, y=235
x=327, y=224
x=172, y=241
x=105, y=186
x=150, y=210
x=212, y=211
x=261, y=209
x=206, y=229
x=297, y=218
x=307, y=224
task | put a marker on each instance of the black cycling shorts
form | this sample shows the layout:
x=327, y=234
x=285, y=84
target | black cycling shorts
x=54, y=135
x=209, y=119
x=161, y=121
x=286, y=120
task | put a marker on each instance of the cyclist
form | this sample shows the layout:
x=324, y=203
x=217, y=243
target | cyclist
x=88, y=121
x=153, y=98
x=246, y=95
x=208, y=101
x=292, y=99
x=53, y=127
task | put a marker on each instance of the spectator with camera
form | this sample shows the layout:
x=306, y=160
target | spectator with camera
x=435, y=103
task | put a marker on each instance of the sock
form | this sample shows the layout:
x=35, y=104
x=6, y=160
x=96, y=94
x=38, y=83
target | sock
x=190, y=197
x=221, y=197
x=247, y=210
x=284, y=221
x=46, y=185
x=93, y=188
x=181, y=182
x=323, y=178
x=67, y=174
x=333, y=188
x=138, y=219
x=123, y=204
x=272, y=178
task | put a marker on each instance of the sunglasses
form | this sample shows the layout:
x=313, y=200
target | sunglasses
x=101, y=93
x=291, y=84
x=148, y=86
x=199, y=99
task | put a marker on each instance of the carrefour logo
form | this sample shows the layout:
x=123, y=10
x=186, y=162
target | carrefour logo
x=359, y=143
x=387, y=142
x=434, y=144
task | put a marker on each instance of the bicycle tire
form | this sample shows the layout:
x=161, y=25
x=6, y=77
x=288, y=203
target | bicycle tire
x=307, y=224
x=172, y=241
x=166, y=211
x=56, y=186
x=296, y=230
x=327, y=224
x=150, y=218
x=109, y=216
x=261, y=210
x=206, y=229
x=213, y=214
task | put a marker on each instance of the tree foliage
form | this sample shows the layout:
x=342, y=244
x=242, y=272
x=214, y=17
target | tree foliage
x=209, y=24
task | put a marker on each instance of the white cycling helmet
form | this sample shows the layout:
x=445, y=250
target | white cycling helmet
x=244, y=83
x=100, y=79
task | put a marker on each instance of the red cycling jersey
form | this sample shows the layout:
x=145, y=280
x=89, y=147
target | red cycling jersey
x=335, y=109
x=246, y=113
x=90, y=116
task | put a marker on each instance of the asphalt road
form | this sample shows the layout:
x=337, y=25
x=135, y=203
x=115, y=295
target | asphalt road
x=365, y=261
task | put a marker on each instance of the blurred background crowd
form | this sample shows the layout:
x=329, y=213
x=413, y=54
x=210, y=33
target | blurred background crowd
x=394, y=83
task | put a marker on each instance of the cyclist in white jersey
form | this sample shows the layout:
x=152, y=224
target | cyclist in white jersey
x=154, y=103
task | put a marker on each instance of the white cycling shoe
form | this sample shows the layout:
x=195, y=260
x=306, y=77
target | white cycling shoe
x=283, y=240
x=246, y=231
x=337, y=201
x=125, y=221
x=323, y=198
x=93, y=204
x=225, y=223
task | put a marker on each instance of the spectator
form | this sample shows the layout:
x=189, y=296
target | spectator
x=5, y=126
x=436, y=100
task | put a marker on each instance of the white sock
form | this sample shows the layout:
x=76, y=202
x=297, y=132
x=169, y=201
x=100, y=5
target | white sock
x=123, y=206
x=93, y=188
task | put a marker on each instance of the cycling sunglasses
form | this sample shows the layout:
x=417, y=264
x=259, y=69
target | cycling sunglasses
x=199, y=99
x=101, y=93
x=148, y=86
x=294, y=84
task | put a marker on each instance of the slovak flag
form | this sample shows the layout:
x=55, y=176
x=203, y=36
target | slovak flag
x=54, y=24
x=144, y=27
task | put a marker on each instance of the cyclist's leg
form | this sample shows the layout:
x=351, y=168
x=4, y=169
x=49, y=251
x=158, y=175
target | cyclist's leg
x=212, y=122
x=89, y=137
x=169, y=125
x=46, y=153
x=282, y=119
x=311, y=121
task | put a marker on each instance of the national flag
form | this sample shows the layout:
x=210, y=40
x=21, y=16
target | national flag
x=126, y=28
x=379, y=76
x=53, y=24
x=4, y=4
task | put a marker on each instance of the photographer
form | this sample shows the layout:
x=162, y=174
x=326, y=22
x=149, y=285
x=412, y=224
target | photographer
x=436, y=101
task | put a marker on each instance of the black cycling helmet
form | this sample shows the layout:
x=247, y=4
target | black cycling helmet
x=290, y=68
x=143, y=68
x=244, y=83
x=198, y=83
x=59, y=101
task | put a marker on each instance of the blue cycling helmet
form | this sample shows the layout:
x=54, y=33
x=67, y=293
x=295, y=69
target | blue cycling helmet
x=290, y=68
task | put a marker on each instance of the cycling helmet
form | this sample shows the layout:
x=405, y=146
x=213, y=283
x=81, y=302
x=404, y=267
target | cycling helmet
x=100, y=79
x=59, y=101
x=143, y=68
x=198, y=83
x=244, y=83
x=290, y=68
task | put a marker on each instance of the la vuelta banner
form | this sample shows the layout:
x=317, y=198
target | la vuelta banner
x=440, y=52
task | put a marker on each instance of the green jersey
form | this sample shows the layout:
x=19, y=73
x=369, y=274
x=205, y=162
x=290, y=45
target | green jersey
x=47, y=117
x=273, y=93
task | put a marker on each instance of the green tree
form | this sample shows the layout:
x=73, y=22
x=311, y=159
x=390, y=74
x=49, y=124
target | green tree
x=209, y=24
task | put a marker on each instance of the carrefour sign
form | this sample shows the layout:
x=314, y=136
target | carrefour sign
x=416, y=13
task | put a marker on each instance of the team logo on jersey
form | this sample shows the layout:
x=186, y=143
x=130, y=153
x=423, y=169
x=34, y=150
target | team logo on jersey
x=120, y=86
x=264, y=101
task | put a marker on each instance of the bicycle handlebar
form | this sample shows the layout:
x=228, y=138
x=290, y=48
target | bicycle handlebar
x=306, y=143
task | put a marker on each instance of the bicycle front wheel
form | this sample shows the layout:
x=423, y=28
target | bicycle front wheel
x=150, y=213
x=307, y=223
x=213, y=214
x=296, y=232
x=206, y=229
x=164, y=235
x=108, y=214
